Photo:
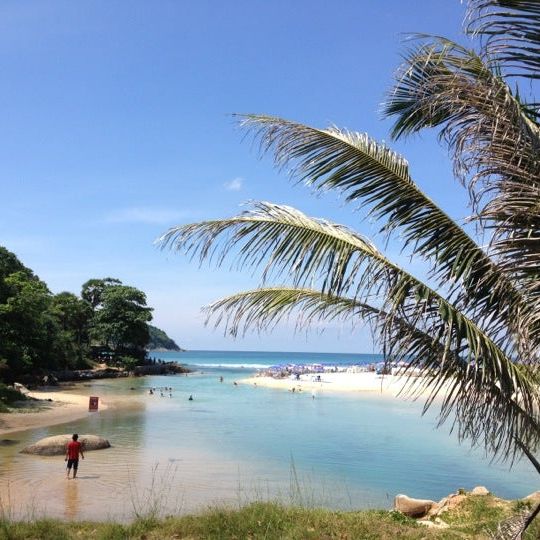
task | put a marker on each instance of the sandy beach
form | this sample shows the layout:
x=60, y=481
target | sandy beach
x=64, y=407
x=363, y=382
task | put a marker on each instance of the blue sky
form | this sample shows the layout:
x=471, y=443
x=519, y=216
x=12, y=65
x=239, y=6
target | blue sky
x=116, y=125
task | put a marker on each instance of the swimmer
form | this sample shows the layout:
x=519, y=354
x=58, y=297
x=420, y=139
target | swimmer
x=190, y=398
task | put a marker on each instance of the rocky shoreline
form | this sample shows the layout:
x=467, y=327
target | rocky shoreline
x=164, y=368
x=432, y=513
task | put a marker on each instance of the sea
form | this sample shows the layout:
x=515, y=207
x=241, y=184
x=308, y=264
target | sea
x=235, y=443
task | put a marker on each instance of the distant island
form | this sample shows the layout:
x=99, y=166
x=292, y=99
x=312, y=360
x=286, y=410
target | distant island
x=160, y=341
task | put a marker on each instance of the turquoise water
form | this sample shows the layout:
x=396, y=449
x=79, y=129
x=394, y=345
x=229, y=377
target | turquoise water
x=251, y=360
x=234, y=443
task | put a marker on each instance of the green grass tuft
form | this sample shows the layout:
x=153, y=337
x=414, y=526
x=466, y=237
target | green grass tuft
x=272, y=521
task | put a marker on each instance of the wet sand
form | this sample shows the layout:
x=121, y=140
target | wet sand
x=64, y=407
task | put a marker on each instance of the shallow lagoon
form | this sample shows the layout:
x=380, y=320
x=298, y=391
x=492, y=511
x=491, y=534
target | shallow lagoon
x=235, y=443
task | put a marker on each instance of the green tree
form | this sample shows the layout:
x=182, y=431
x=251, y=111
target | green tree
x=9, y=264
x=472, y=327
x=28, y=332
x=74, y=317
x=92, y=290
x=121, y=320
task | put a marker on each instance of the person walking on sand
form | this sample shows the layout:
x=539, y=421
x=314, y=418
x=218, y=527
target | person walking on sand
x=73, y=449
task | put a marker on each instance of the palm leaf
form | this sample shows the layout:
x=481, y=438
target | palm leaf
x=496, y=146
x=283, y=241
x=511, y=29
x=370, y=173
x=262, y=309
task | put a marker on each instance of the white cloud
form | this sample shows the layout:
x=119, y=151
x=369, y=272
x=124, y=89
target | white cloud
x=234, y=185
x=152, y=216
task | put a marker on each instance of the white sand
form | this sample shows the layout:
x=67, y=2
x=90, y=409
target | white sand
x=364, y=382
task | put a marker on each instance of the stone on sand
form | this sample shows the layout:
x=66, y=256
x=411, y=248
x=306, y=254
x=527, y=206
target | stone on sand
x=56, y=445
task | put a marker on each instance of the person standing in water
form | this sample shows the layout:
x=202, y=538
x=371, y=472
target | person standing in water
x=73, y=449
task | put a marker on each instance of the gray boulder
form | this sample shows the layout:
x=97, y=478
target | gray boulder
x=413, y=507
x=56, y=445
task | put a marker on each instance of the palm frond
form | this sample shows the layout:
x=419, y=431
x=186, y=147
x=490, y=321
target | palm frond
x=495, y=144
x=370, y=173
x=488, y=409
x=262, y=309
x=511, y=29
x=283, y=241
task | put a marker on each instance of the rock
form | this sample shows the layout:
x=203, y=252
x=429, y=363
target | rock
x=56, y=445
x=480, y=490
x=448, y=503
x=21, y=388
x=413, y=507
x=8, y=442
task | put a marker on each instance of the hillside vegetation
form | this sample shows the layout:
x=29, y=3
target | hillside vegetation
x=159, y=340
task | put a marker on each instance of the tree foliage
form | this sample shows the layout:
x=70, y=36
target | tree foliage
x=41, y=331
x=120, y=320
x=92, y=290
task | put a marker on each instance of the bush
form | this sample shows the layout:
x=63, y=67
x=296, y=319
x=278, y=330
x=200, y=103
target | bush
x=9, y=395
x=128, y=362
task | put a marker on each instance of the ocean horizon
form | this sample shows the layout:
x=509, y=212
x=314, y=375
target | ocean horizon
x=263, y=359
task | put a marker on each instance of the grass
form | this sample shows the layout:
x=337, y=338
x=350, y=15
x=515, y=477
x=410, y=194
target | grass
x=478, y=514
x=271, y=521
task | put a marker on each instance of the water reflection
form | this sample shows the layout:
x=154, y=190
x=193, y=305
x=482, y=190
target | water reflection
x=71, y=499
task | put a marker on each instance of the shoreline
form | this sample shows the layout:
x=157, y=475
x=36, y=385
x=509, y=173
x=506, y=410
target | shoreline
x=64, y=407
x=367, y=382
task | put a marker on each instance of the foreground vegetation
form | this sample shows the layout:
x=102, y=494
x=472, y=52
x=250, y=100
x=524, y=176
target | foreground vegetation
x=476, y=518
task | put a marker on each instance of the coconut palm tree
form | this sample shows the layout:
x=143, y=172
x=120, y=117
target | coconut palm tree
x=473, y=325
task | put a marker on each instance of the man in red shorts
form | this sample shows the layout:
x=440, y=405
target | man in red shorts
x=73, y=449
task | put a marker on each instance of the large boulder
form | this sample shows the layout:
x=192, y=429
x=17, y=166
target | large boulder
x=56, y=445
x=413, y=507
x=480, y=490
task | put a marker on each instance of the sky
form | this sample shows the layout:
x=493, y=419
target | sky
x=116, y=125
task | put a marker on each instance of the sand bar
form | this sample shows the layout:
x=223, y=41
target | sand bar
x=64, y=407
x=363, y=382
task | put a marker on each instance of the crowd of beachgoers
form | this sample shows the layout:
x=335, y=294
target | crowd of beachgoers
x=294, y=371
